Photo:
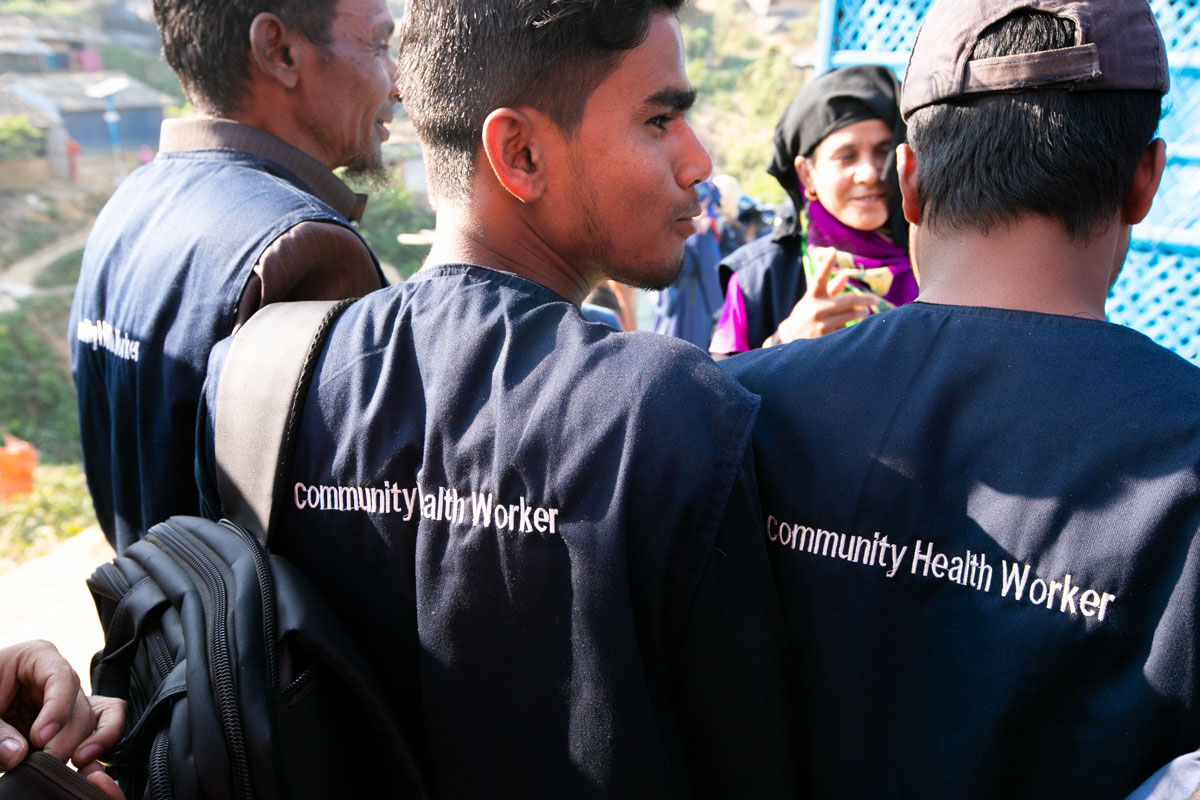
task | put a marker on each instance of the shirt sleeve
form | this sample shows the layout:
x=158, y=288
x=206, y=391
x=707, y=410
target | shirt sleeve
x=731, y=336
x=310, y=261
x=736, y=715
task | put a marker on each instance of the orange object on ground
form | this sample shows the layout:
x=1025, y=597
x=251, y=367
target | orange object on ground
x=17, y=462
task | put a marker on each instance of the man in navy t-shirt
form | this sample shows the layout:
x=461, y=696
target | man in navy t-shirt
x=982, y=508
x=542, y=532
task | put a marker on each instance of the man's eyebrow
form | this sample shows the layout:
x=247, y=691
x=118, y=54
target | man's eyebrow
x=673, y=99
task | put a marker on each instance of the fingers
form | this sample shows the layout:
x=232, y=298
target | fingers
x=835, y=322
x=66, y=718
x=110, y=724
x=37, y=682
x=39, y=693
x=850, y=301
x=42, y=705
x=96, y=776
x=825, y=259
x=838, y=283
x=840, y=311
x=13, y=747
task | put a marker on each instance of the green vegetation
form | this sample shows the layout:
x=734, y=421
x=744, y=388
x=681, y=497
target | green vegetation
x=19, y=139
x=745, y=80
x=64, y=271
x=150, y=70
x=37, y=404
x=41, y=9
x=184, y=109
x=391, y=212
x=59, y=507
x=37, y=400
x=34, y=233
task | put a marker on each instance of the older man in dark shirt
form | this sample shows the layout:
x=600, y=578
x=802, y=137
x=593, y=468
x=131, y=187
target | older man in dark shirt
x=239, y=209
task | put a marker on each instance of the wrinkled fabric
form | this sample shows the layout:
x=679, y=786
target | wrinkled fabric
x=985, y=528
x=163, y=273
x=543, y=533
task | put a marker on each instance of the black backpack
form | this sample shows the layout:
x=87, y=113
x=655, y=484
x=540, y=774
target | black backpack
x=239, y=680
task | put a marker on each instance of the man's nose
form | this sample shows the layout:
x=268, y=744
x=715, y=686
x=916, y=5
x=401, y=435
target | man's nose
x=695, y=164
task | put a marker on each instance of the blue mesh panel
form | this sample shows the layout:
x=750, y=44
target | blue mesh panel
x=1178, y=20
x=1177, y=204
x=1158, y=294
x=882, y=25
x=1181, y=125
x=879, y=25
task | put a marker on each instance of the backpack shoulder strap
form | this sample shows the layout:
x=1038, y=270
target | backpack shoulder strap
x=259, y=399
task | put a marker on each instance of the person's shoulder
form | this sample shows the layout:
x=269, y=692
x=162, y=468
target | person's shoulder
x=867, y=346
x=322, y=238
x=238, y=174
x=664, y=370
x=1168, y=380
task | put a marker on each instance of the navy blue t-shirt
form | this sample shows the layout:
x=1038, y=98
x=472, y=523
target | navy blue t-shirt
x=162, y=275
x=983, y=526
x=544, y=534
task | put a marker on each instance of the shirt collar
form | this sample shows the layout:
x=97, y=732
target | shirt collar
x=207, y=133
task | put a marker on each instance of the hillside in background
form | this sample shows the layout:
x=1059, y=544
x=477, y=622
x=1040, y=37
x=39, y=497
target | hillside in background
x=745, y=77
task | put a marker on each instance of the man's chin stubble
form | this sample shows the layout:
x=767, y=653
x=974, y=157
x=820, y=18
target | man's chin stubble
x=368, y=168
x=655, y=280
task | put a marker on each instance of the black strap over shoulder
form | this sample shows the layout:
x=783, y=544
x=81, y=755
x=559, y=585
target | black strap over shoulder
x=259, y=400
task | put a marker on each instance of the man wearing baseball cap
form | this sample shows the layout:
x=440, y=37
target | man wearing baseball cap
x=983, y=508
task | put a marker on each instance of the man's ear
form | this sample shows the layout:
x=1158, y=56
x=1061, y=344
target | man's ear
x=514, y=150
x=1146, y=178
x=273, y=49
x=906, y=169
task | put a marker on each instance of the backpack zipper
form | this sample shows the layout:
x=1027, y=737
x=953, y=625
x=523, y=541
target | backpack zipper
x=267, y=591
x=158, y=774
x=224, y=685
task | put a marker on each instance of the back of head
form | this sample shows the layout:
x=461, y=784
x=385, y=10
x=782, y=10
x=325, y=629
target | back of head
x=998, y=137
x=207, y=42
x=462, y=59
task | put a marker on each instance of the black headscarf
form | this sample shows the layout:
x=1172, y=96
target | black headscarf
x=828, y=103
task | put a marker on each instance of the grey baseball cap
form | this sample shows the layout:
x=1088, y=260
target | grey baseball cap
x=1118, y=46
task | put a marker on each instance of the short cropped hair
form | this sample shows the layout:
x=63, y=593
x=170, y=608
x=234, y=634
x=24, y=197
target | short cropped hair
x=207, y=42
x=462, y=59
x=1068, y=155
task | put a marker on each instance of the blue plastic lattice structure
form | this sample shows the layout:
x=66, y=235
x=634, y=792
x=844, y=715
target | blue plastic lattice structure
x=1159, y=289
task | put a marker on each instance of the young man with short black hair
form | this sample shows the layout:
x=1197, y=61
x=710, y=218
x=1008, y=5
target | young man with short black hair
x=982, y=508
x=541, y=531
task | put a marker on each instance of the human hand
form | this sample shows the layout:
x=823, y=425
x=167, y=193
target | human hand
x=42, y=703
x=96, y=776
x=826, y=306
